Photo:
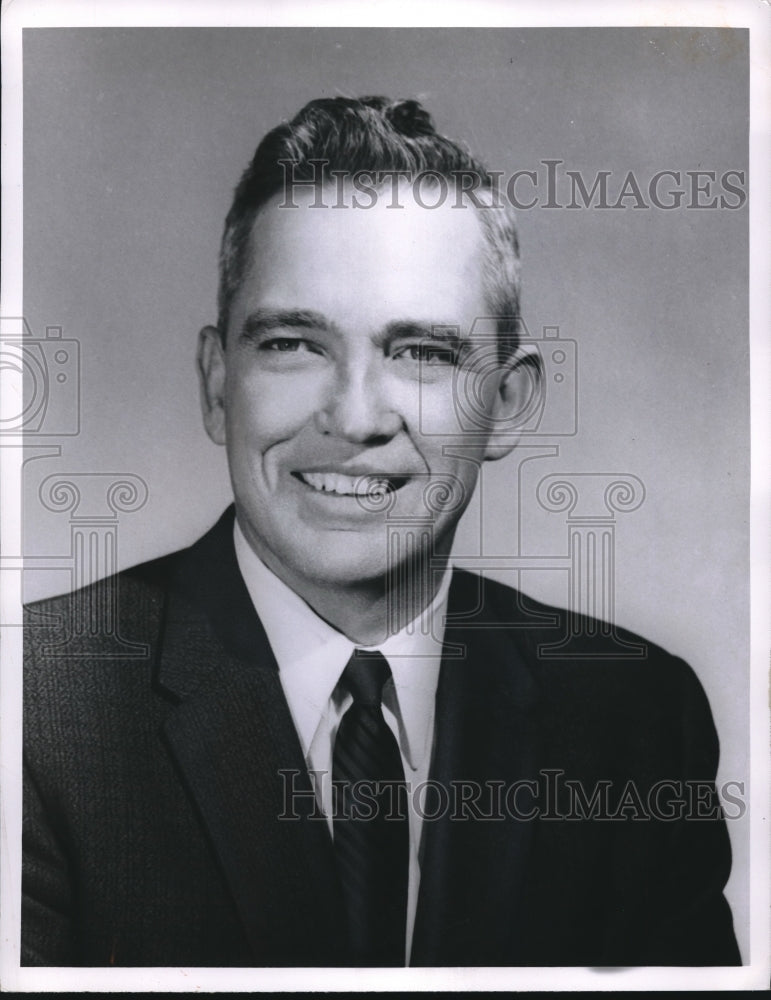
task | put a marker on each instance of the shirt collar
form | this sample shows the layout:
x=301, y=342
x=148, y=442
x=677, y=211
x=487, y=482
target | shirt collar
x=311, y=655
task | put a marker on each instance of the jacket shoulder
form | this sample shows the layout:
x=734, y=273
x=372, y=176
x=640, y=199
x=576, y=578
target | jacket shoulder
x=513, y=609
x=129, y=595
x=586, y=656
x=592, y=676
x=74, y=643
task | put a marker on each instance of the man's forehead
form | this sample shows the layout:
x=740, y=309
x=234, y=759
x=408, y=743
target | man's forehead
x=329, y=212
x=365, y=267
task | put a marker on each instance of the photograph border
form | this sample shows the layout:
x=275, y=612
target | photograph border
x=752, y=14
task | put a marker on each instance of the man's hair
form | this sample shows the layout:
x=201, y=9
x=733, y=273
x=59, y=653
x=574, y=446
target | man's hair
x=377, y=135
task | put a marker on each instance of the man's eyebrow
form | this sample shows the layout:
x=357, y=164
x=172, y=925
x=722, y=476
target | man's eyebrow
x=262, y=320
x=447, y=333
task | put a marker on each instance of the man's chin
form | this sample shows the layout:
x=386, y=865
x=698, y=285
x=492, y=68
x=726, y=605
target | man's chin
x=346, y=569
x=349, y=562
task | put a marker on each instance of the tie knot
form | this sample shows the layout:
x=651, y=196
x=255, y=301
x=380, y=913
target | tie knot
x=364, y=676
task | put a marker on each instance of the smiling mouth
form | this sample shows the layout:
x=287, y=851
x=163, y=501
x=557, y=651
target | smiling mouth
x=374, y=485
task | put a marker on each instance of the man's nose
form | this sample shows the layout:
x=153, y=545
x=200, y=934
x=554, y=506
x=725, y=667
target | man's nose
x=358, y=407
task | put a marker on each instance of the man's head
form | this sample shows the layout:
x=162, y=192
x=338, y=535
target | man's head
x=345, y=337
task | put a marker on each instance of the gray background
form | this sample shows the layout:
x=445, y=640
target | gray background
x=133, y=141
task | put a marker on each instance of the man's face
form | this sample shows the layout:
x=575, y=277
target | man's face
x=336, y=393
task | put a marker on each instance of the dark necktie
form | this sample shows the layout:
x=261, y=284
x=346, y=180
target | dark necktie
x=371, y=828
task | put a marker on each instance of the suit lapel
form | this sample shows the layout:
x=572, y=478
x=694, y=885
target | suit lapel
x=234, y=742
x=474, y=855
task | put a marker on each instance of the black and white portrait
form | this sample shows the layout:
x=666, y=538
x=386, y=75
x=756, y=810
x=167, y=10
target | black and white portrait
x=383, y=483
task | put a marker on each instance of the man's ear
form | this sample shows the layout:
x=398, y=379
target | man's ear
x=519, y=390
x=210, y=361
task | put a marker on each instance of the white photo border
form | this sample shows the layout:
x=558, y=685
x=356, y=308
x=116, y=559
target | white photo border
x=752, y=14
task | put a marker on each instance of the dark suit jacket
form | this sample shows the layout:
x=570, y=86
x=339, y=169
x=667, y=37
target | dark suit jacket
x=153, y=789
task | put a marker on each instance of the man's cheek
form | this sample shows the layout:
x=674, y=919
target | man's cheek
x=438, y=413
x=260, y=411
x=283, y=404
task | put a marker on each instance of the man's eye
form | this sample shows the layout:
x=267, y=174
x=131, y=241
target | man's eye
x=297, y=346
x=429, y=354
x=282, y=344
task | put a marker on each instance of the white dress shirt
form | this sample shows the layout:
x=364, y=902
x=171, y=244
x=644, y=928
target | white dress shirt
x=311, y=656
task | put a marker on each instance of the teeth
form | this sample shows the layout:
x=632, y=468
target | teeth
x=334, y=482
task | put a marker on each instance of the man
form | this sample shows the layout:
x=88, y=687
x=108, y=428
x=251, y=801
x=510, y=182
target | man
x=338, y=751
